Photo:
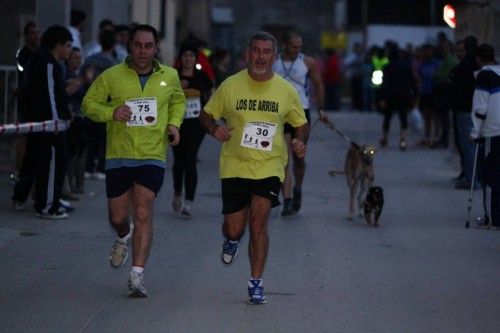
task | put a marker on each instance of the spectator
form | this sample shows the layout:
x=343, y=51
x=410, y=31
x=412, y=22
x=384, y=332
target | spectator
x=197, y=88
x=94, y=46
x=96, y=132
x=77, y=23
x=77, y=143
x=462, y=88
x=486, y=120
x=46, y=99
x=23, y=58
x=331, y=77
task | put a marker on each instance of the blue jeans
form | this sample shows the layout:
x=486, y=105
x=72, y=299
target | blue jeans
x=464, y=128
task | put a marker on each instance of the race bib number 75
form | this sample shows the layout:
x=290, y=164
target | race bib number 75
x=258, y=135
x=144, y=111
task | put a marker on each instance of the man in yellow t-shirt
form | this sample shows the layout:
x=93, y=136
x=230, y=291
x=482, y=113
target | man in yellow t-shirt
x=255, y=105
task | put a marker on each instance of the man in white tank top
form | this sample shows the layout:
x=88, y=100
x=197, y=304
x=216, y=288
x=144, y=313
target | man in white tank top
x=297, y=68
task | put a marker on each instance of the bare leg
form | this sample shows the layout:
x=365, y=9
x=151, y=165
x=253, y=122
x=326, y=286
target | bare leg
x=286, y=188
x=299, y=170
x=259, y=241
x=119, y=213
x=234, y=224
x=142, y=199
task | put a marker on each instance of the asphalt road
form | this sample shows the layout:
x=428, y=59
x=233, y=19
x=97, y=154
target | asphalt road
x=420, y=271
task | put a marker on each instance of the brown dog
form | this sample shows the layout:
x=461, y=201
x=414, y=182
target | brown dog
x=358, y=169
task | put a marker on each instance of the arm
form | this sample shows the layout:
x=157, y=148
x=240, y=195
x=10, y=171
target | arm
x=318, y=86
x=298, y=143
x=94, y=104
x=220, y=132
x=480, y=104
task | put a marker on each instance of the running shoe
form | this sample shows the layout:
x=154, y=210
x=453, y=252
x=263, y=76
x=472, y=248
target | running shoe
x=99, y=175
x=119, y=253
x=402, y=145
x=60, y=215
x=136, y=286
x=186, y=213
x=177, y=203
x=17, y=205
x=229, y=251
x=483, y=222
x=287, y=208
x=297, y=199
x=256, y=292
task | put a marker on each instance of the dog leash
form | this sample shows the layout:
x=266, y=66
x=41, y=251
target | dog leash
x=329, y=125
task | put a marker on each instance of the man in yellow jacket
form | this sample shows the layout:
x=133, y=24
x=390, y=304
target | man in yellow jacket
x=142, y=103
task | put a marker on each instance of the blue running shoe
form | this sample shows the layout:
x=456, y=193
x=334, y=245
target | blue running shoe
x=229, y=251
x=256, y=292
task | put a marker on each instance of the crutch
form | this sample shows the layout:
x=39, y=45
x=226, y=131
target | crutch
x=469, y=208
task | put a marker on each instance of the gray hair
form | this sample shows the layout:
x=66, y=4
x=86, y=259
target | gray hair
x=264, y=36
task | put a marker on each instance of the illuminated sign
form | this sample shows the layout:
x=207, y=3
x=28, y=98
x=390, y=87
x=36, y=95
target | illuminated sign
x=449, y=16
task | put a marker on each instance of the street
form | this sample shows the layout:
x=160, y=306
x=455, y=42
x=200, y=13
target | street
x=420, y=271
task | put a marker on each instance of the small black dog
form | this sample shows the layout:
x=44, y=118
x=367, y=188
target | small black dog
x=373, y=205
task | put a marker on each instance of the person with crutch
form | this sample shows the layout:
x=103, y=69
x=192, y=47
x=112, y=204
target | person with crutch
x=486, y=132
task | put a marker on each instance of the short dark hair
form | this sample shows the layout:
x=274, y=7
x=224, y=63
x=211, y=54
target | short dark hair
x=288, y=35
x=264, y=36
x=28, y=26
x=485, y=53
x=54, y=35
x=106, y=23
x=470, y=44
x=107, y=39
x=144, y=27
x=77, y=17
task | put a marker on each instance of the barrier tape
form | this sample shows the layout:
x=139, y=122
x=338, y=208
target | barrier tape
x=43, y=126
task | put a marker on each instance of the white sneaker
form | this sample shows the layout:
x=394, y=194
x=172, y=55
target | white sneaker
x=136, y=285
x=87, y=175
x=99, y=176
x=17, y=206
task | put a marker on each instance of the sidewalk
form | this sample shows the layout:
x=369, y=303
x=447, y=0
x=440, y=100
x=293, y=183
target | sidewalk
x=420, y=271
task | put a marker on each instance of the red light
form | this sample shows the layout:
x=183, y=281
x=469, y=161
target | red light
x=449, y=16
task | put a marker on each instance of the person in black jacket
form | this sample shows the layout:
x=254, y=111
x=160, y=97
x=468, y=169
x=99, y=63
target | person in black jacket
x=197, y=88
x=462, y=89
x=397, y=93
x=45, y=99
x=23, y=58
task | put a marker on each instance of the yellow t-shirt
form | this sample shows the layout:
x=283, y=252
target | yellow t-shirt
x=256, y=111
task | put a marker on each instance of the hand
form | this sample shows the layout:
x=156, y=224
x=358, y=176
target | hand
x=122, y=113
x=173, y=135
x=299, y=148
x=323, y=117
x=221, y=133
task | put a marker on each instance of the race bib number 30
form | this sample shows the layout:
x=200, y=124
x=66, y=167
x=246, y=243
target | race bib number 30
x=144, y=111
x=258, y=135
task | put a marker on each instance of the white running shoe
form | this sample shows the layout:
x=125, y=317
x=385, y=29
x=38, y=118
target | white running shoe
x=119, y=253
x=136, y=285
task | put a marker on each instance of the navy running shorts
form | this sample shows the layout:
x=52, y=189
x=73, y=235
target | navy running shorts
x=237, y=192
x=120, y=180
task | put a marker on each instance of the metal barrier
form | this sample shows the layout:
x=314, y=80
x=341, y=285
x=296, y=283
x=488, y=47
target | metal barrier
x=8, y=86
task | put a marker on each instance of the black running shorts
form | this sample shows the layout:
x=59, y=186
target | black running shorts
x=237, y=192
x=120, y=180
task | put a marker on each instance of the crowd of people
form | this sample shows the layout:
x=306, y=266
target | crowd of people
x=126, y=108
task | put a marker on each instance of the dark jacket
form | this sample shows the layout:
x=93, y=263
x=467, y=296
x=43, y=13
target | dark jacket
x=44, y=94
x=462, y=84
x=398, y=82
